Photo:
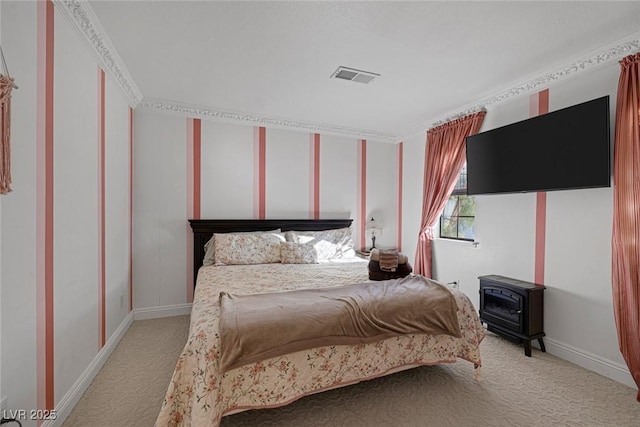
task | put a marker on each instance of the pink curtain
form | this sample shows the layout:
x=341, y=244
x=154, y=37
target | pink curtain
x=625, y=278
x=445, y=155
x=6, y=85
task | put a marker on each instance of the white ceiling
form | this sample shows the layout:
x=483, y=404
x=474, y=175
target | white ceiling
x=273, y=60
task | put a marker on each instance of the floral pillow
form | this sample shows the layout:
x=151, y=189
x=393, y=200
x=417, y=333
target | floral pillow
x=298, y=253
x=329, y=244
x=209, y=247
x=247, y=248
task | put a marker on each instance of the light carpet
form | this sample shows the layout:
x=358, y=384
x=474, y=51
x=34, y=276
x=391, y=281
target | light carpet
x=514, y=390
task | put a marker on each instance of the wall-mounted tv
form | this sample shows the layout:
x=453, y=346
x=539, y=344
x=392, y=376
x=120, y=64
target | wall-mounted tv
x=562, y=150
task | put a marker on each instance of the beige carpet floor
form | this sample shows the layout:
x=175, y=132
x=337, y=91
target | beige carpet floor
x=514, y=391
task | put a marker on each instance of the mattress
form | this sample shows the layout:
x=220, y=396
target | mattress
x=199, y=394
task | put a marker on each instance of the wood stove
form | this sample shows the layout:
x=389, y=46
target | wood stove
x=513, y=308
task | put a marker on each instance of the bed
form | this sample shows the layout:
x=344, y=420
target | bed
x=201, y=392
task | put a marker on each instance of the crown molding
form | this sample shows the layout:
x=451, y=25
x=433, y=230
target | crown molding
x=202, y=112
x=600, y=57
x=87, y=26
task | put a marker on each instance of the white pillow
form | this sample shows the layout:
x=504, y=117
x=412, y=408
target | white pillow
x=298, y=253
x=209, y=247
x=329, y=244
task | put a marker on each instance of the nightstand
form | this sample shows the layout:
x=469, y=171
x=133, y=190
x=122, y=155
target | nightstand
x=363, y=253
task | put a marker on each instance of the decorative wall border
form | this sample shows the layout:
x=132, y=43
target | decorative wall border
x=86, y=24
x=260, y=121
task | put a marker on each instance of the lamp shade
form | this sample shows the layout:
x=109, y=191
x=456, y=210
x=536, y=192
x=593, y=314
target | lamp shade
x=373, y=227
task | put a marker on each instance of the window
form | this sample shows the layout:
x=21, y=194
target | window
x=456, y=221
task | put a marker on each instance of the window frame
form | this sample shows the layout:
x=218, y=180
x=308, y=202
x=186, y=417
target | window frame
x=460, y=189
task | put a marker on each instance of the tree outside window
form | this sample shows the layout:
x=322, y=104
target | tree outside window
x=457, y=218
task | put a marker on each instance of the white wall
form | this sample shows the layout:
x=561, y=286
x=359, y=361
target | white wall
x=578, y=261
x=19, y=212
x=227, y=151
x=117, y=206
x=381, y=191
x=287, y=174
x=75, y=208
x=412, y=180
x=76, y=349
x=578, y=300
x=338, y=159
x=160, y=210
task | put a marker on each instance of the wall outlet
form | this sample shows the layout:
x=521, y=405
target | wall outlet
x=455, y=284
x=3, y=404
x=121, y=300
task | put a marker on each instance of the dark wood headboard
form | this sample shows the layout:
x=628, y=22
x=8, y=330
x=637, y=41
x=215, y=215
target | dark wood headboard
x=203, y=229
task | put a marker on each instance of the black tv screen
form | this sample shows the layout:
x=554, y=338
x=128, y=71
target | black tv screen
x=561, y=150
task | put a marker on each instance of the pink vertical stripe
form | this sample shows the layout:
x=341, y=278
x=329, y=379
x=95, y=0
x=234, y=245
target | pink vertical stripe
x=362, y=191
x=189, y=271
x=259, y=160
x=541, y=228
x=197, y=144
x=543, y=102
x=101, y=211
x=538, y=105
x=400, y=163
x=190, y=158
x=194, y=145
x=314, y=178
x=130, y=209
x=44, y=207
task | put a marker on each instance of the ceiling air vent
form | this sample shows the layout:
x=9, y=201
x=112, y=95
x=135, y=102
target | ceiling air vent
x=354, y=75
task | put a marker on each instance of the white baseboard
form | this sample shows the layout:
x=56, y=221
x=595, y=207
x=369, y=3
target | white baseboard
x=163, y=311
x=590, y=361
x=71, y=398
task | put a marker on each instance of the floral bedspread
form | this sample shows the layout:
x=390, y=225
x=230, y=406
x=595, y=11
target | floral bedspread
x=199, y=394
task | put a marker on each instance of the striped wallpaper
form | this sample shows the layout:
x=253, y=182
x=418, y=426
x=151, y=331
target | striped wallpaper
x=46, y=158
x=260, y=166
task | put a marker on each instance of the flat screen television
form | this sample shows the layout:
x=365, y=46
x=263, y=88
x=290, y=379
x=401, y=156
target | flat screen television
x=561, y=150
